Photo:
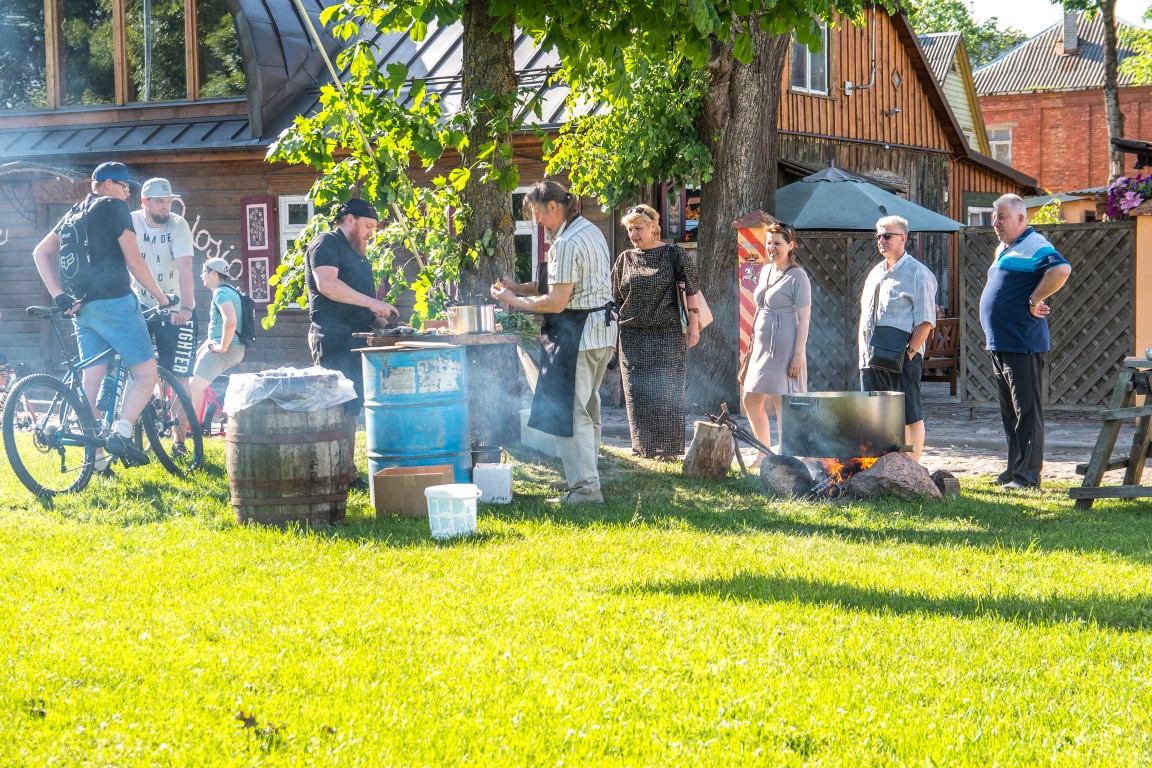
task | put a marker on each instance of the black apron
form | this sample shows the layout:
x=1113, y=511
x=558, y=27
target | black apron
x=560, y=336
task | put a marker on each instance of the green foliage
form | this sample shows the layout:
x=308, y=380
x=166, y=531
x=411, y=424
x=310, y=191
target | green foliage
x=984, y=40
x=685, y=622
x=1048, y=214
x=647, y=138
x=1138, y=65
x=23, y=79
x=400, y=122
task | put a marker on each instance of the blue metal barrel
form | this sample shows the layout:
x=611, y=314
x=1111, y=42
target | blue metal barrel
x=416, y=409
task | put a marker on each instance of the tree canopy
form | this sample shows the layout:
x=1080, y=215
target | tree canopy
x=984, y=40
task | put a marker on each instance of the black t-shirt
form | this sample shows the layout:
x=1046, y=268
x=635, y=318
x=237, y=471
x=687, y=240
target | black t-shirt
x=106, y=220
x=331, y=249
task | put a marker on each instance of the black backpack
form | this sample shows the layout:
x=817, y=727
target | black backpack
x=75, y=259
x=246, y=325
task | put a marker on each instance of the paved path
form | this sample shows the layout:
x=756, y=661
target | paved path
x=966, y=440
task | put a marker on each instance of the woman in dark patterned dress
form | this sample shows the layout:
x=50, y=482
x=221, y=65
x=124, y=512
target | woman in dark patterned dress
x=653, y=347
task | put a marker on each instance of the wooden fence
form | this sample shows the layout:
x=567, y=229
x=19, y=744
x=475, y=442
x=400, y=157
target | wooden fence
x=1092, y=318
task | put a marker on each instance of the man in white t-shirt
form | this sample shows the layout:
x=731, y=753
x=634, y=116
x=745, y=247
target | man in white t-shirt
x=166, y=244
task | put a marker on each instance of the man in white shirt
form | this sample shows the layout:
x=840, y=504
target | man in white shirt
x=165, y=242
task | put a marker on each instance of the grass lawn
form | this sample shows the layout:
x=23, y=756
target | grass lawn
x=683, y=623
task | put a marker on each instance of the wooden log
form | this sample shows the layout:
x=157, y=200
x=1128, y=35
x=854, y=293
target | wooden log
x=711, y=451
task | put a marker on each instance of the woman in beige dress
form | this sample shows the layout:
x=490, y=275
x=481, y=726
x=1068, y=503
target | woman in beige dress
x=778, y=365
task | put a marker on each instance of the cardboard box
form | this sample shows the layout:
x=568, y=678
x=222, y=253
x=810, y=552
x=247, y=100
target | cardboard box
x=400, y=490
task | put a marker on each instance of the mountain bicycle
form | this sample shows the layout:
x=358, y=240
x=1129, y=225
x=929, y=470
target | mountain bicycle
x=52, y=437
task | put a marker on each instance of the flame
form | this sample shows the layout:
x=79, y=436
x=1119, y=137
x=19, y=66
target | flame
x=840, y=471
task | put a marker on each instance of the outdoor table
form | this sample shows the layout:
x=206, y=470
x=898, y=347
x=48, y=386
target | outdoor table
x=1133, y=380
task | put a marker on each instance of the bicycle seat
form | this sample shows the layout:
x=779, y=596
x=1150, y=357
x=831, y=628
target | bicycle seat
x=44, y=313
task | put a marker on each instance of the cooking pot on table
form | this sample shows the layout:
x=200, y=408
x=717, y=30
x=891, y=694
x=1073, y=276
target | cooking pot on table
x=842, y=425
x=476, y=318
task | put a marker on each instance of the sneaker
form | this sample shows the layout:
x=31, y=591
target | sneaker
x=574, y=498
x=358, y=484
x=179, y=451
x=122, y=448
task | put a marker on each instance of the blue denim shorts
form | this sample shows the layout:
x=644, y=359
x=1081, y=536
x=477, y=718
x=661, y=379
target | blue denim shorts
x=116, y=324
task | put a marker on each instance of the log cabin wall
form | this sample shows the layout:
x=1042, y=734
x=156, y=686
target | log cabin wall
x=866, y=114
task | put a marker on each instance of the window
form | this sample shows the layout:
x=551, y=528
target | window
x=528, y=239
x=979, y=217
x=295, y=213
x=810, y=70
x=115, y=52
x=1000, y=141
x=23, y=79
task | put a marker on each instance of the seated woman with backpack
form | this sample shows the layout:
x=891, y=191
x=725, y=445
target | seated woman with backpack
x=224, y=347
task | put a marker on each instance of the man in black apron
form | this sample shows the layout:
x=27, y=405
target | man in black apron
x=578, y=335
x=342, y=300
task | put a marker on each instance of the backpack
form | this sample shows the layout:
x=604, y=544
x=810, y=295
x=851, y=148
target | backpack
x=76, y=272
x=246, y=323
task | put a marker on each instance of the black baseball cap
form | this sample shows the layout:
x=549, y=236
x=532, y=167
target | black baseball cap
x=361, y=209
x=113, y=172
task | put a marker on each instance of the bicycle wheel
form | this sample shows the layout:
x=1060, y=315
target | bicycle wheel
x=215, y=423
x=168, y=415
x=49, y=435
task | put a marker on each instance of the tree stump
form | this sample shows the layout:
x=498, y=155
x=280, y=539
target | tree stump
x=711, y=451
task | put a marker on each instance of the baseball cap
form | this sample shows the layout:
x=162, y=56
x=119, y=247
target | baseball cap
x=157, y=188
x=359, y=208
x=217, y=264
x=112, y=172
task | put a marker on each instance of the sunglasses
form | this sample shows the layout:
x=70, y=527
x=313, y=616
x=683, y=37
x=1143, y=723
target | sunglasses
x=638, y=209
x=888, y=235
x=122, y=184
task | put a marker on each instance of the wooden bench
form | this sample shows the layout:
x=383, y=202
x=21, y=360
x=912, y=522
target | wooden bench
x=941, y=352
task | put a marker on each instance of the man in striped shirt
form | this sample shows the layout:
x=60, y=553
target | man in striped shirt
x=578, y=335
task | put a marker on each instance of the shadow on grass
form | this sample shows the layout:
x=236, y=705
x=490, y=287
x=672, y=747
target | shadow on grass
x=1124, y=615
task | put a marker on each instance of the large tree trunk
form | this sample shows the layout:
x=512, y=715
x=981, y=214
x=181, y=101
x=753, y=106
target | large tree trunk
x=738, y=125
x=1112, y=90
x=489, y=68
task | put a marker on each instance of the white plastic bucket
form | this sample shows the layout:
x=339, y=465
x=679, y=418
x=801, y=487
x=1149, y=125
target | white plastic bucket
x=494, y=482
x=452, y=509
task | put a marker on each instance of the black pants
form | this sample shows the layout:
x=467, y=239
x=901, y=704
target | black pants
x=331, y=348
x=1018, y=380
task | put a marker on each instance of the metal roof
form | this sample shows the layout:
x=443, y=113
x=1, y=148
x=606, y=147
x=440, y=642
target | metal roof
x=110, y=140
x=438, y=61
x=1040, y=64
x=940, y=50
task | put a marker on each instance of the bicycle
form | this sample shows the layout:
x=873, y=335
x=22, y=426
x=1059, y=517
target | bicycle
x=213, y=420
x=52, y=437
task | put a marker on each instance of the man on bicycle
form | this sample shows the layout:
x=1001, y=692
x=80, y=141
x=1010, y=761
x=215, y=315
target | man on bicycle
x=107, y=314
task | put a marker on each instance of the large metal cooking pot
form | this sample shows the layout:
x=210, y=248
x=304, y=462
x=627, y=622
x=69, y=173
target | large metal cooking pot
x=842, y=425
x=478, y=318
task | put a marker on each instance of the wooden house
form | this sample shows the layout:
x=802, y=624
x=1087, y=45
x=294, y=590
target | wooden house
x=1044, y=108
x=948, y=58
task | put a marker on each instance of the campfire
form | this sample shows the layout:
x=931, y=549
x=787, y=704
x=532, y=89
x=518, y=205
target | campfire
x=835, y=483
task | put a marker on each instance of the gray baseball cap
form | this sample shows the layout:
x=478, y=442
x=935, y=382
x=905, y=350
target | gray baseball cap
x=157, y=188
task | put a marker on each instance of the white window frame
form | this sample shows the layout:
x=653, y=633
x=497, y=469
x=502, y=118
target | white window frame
x=289, y=232
x=807, y=63
x=979, y=211
x=532, y=229
x=994, y=143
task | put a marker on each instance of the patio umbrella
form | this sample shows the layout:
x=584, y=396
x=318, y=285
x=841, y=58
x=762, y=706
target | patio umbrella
x=831, y=199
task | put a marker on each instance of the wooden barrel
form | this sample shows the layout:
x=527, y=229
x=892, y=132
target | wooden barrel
x=289, y=466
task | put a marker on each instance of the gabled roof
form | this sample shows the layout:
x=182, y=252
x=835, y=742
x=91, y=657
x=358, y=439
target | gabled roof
x=940, y=50
x=1040, y=64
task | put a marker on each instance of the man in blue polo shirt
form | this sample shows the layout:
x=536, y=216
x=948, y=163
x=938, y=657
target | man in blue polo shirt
x=1027, y=270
